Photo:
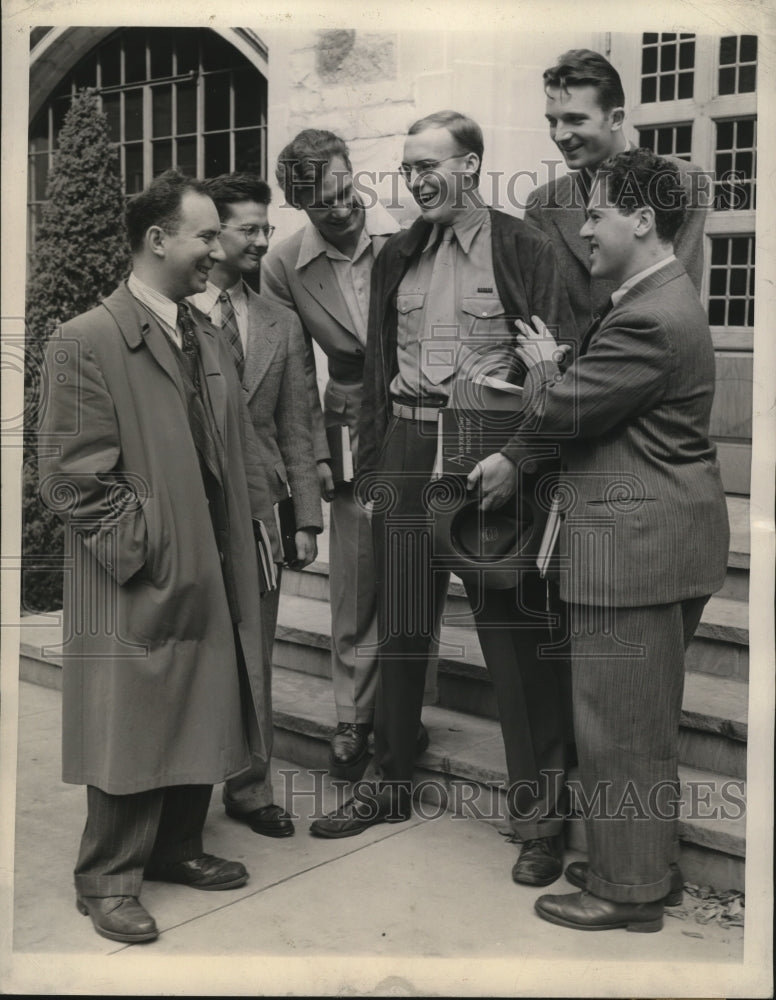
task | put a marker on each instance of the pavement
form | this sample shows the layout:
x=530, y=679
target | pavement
x=421, y=908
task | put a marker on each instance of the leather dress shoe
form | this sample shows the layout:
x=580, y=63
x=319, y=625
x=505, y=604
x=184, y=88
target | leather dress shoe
x=540, y=861
x=204, y=872
x=586, y=912
x=355, y=816
x=120, y=918
x=349, y=749
x=270, y=821
x=576, y=873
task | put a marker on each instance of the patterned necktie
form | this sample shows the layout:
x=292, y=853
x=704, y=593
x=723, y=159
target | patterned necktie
x=204, y=436
x=189, y=345
x=229, y=326
x=441, y=335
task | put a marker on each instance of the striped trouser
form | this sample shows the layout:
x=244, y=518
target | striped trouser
x=124, y=832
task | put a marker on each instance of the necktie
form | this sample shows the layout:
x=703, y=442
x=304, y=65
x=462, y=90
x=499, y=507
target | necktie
x=441, y=335
x=229, y=326
x=189, y=345
x=595, y=324
x=204, y=436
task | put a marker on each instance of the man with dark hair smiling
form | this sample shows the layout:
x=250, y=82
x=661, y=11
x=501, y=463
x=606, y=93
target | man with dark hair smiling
x=644, y=537
x=445, y=294
x=586, y=116
x=268, y=349
x=148, y=455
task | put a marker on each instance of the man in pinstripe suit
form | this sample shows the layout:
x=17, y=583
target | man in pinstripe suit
x=643, y=537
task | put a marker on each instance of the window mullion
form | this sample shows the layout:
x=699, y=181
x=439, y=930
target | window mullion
x=148, y=156
x=200, y=116
x=232, y=117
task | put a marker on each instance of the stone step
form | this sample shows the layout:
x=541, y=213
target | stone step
x=720, y=645
x=714, y=715
x=467, y=748
x=466, y=759
x=713, y=731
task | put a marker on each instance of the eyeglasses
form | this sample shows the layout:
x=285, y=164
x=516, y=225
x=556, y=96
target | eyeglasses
x=251, y=232
x=424, y=166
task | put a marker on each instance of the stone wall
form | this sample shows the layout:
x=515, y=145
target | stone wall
x=369, y=86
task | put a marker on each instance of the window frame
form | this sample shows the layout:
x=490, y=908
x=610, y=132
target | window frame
x=703, y=110
x=240, y=63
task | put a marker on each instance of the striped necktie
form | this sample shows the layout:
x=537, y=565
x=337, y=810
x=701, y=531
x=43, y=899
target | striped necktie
x=229, y=326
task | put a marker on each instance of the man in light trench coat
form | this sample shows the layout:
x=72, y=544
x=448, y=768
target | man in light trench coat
x=148, y=454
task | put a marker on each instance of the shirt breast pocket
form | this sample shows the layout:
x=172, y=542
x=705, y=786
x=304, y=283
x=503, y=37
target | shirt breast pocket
x=486, y=314
x=489, y=340
x=409, y=306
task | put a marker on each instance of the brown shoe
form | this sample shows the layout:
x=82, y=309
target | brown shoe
x=540, y=861
x=576, y=873
x=120, y=918
x=585, y=912
x=204, y=872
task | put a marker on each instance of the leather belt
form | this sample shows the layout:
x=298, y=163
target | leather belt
x=429, y=414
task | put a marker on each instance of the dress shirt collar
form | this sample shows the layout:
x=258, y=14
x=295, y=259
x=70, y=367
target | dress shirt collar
x=636, y=278
x=206, y=301
x=237, y=293
x=163, y=308
x=377, y=222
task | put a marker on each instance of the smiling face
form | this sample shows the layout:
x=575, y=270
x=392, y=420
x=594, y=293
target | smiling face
x=243, y=247
x=334, y=208
x=187, y=255
x=438, y=173
x=612, y=236
x=585, y=134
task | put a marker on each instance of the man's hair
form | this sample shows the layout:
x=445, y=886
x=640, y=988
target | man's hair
x=637, y=179
x=466, y=132
x=231, y=189
x=302, y=162
x=159, y=205
x=585, y=68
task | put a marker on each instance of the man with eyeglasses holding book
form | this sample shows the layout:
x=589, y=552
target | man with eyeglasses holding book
x=268, y=350
x=445, y=294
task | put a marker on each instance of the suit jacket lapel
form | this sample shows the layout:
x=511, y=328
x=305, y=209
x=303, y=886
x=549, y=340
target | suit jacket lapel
x=263, y=343
x=648, y=284
x=570, y=217
x=319, y=279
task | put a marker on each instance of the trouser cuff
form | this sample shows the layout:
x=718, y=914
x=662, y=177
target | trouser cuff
x=620, y=893
x=122, y=884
